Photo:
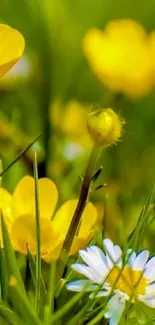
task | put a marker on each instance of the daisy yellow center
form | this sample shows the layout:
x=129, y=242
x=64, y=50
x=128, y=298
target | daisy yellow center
x=132, y=282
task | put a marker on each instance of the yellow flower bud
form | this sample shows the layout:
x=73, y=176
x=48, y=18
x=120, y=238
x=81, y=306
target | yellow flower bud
x=105, y=127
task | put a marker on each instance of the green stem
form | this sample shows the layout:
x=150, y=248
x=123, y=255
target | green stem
x=38, y=240
x=50, y=296
x=78, y=211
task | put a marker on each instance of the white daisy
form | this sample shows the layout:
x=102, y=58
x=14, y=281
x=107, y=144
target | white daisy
x=133, y=280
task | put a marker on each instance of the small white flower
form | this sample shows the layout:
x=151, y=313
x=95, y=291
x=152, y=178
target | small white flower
x=106, y=274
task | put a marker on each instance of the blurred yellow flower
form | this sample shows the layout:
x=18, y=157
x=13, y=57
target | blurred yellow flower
x=120, y=57
x=19, y=214
x=71, y=120
x=12, y=45
x=152, y=48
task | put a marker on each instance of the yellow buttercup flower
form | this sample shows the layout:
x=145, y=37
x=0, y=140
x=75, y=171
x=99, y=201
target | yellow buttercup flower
x=12, y=45
x=152, y=49
x=120, y=57
x=19, y=214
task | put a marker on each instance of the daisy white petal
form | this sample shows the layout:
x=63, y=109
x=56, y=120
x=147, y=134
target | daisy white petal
x=87, y=258
x=149, y=271
x=101, y=293
x=110, y=252
x=140, y=260
x=99, y=259
x=98, y=253
x=118, y=255
x=114, y=309
x=130, y=256
x=148, y=300
x=87, y=271
x=79, y=285
x=109, y=247
x=95, y=262
x=150, y=290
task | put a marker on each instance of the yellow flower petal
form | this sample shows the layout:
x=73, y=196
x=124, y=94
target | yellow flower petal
x=48, y=197
x=86, y=229
x=53, y=254
x=5, y=206
x=23, y=235
x=24, y=197
x=88, y=221
x=63, y=217
x=80, y=242
x=126, y=29
x=11, y=48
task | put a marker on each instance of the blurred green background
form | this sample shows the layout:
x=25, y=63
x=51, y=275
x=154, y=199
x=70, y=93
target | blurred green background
x=54, y=69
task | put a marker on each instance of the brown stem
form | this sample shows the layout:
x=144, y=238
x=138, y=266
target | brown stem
x=78, y=211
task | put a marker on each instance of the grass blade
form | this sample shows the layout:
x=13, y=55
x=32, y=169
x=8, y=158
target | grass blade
x=51, y=295
x=65, y=309
x=10, y=255
x=38, y=240
x=9, y=316
x=32, y=266
x=20, y=155
x=17, y=284
x=97, y=318
x=3, y=275
x=26, y=307
x=137, y=235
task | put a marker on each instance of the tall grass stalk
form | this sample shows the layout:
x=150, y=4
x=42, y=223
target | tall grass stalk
x=38, y=239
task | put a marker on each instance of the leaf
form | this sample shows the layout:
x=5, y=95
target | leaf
x=10, y=255
x=32, y=265
x=97, y=174
x=67, y=307
x=51, y=295
x=27, y=310
x=3, y=275
x=9, y=317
